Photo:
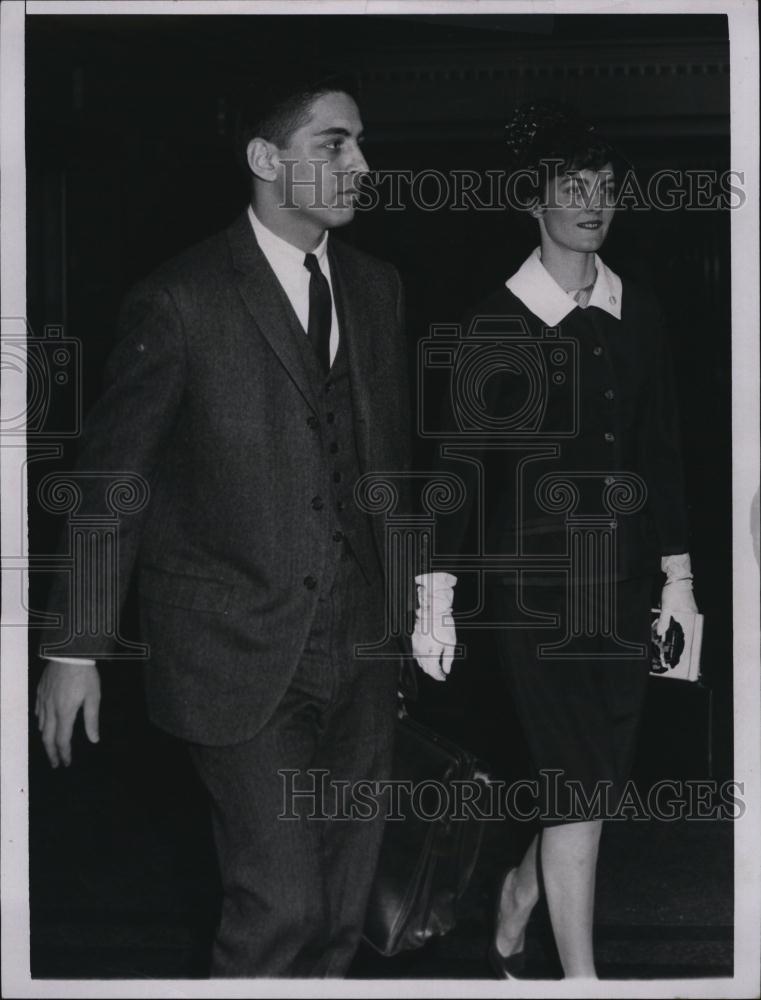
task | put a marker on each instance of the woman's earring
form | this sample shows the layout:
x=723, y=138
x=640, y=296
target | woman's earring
x=538, y=209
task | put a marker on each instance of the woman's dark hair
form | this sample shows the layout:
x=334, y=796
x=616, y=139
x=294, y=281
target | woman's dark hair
x=545, y=140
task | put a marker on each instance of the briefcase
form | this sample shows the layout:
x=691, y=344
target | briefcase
x=429, y=853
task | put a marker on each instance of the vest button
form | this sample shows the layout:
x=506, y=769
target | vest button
x=336, y=476
x=328, y=387
x=313, y=422
x=309, y=582
x=338, y=536
x=317, y=503
x=333, y=447
x=340, y=505
x=330, y=417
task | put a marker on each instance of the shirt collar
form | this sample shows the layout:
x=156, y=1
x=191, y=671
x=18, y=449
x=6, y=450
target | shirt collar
x=275, y=247
x=539, y=292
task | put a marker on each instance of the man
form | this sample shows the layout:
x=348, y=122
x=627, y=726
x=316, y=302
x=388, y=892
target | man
x=256, y=376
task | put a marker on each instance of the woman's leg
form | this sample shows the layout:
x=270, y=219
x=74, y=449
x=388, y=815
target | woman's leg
x=520, y=892
x=569, y=865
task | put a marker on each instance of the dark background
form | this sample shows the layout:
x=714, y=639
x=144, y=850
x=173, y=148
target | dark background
x=130, y=159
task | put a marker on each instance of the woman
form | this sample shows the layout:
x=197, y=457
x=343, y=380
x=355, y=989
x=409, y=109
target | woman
x=603, y=418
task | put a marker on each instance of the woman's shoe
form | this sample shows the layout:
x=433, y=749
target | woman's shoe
x=504, y=966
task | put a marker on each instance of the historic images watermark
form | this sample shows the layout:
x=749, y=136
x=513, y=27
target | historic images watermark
x=550, y=798
x=497, y=190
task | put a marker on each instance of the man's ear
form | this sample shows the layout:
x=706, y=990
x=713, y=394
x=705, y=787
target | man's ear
x=263, y=159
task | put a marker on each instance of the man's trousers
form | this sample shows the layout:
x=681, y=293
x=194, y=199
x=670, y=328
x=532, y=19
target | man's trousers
x=297, y=837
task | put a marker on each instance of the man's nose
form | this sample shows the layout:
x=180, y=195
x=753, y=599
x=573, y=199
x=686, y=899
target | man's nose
x=358, y=164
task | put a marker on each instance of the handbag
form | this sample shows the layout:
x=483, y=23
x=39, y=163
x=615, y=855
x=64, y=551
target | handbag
x=677, y=654
x=428, y=854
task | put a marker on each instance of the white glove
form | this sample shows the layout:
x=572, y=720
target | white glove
x=677, y=590
x=434, y=638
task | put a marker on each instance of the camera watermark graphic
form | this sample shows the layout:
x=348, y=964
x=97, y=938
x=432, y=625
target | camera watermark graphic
x=465, y=366
x=48, y=370
x=501, y=401
x=43, y=375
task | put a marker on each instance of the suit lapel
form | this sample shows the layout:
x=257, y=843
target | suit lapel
x=268, y=304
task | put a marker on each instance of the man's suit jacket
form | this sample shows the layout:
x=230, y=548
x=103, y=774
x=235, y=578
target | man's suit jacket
x=208, y=399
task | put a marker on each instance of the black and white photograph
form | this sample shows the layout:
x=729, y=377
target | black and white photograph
x=379, y=443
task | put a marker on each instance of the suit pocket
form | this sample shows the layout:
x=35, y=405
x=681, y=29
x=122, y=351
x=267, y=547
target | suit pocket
x=193, y=593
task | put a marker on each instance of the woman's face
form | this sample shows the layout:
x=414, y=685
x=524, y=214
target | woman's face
x=578, y=209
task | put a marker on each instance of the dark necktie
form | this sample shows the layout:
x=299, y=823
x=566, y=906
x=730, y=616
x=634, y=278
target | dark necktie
x=320, y=311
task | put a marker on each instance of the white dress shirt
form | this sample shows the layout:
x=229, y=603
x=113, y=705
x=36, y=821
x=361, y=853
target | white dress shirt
x=539, y=292
x=287, y=261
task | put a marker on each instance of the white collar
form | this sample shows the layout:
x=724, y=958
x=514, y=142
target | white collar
x=539, y=292
x=275, y=246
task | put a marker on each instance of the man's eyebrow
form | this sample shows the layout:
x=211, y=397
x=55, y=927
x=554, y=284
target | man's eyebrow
x=337, y=130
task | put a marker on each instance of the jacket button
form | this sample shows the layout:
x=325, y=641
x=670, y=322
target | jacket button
x=610, y=438
x=313, y=422
x=338, y=536
x=333, y=447
x=609, y=394
x=340, y=505
x=330, y=417
x=317, y=503
x=336, y=476
x=597, y=351
x=309, y=582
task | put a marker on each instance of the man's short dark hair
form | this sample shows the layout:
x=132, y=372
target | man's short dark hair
x=275, y=111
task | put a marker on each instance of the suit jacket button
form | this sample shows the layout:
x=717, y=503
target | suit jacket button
x=313, y=422
x=317, y=503
x=609, y=394
x=597, y=351
x=610, y=438
x=309, y=582
x=330, y=417
x=333, y=447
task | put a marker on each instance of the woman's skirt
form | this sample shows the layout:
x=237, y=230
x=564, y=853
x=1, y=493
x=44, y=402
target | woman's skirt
x=580, y=703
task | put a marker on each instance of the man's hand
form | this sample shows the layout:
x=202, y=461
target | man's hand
x=677, y=591
x=64, y=688
x=434, y=638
